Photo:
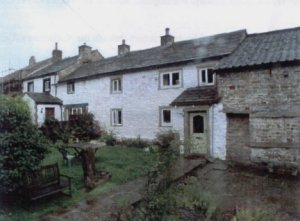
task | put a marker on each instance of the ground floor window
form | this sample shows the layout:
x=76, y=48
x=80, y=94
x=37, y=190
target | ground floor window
x=71, y=111
x=116, y=117
x=165, y=117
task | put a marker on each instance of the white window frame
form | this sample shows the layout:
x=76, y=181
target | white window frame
x=163, y=122
x=170, y=75
x=205, y=83
x=115, y=114
x=29, y=85
x=116, y=85
x=44, y=84
x=76, y=111
x=71, y=88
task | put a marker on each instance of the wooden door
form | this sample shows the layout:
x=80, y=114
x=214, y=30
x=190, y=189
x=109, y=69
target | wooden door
x=49, y=112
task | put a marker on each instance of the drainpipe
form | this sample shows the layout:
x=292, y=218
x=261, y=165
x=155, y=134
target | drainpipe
x=212, y=132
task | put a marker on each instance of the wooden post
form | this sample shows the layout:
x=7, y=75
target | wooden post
x=89, y=167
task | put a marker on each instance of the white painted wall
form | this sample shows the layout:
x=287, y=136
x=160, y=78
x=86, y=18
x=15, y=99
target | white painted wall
x=140, y=100
x=41, y=113
x=38, y=84
x=218, y=125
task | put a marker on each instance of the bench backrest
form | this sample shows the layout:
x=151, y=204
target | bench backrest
x=46, y=175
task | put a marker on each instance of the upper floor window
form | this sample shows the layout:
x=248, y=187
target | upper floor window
x=116, y=117
x=71, y=88
x=206, y=76
x=170, y=79
x=165, y=117
x=116, y=85
x=47, y=85
x=30, y=87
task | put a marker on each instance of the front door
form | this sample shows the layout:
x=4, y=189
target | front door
x=49, y=112
x=198, y=132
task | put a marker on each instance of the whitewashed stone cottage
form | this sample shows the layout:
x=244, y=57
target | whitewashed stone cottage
x=40, y=87
x=171, y=86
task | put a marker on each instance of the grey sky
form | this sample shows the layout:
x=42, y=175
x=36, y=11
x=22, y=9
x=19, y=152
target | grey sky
x=31, y=27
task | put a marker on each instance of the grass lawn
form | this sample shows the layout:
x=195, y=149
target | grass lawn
x=123, y=163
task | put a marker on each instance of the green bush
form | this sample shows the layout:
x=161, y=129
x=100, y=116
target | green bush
x=83, y=127
x=22, y=146
x=167, y=139
x=134, y=142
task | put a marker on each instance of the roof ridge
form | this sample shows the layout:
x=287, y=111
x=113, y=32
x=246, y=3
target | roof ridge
x=274, y=31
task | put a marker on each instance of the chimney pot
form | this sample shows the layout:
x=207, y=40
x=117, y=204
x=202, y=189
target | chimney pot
x=56, y=54
x=32, y=61
x=167, y=31
x=123, y=41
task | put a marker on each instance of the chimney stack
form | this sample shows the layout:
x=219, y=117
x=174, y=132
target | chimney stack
x=167, y=39
x=32, y=61
x=123, y=48
x=85, y=52
x=56, y=54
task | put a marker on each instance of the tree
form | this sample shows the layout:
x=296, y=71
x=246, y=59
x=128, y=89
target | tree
x=22, y=146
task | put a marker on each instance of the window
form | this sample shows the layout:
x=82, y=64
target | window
x=206, y=76
x=71, y=111
x=30, y=87
x=165, y=117
x=47, y=85
x=116, y=117
x=198, y=124
x=71, y=88
x=170, y=79
x=116, y=85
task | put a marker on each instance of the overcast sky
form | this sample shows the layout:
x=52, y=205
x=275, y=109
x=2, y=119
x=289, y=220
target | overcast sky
x=31, y=27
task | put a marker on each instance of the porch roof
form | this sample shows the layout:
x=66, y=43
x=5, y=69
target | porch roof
x=204, y=95
x=44, y=98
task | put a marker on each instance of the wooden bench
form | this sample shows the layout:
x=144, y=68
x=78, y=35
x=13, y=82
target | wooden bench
x=44, y=182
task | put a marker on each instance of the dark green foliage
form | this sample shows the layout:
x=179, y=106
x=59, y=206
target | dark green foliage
x=22, y=146
x=55, y=130
x=167, y=139
x=83, y=127
x=109, y=138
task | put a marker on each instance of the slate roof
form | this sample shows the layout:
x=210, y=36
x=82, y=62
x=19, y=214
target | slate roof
x=54, y=67
x=26, y=71
x=183, y=51
x=44, y=98
x=265, y=48
x=204, y=95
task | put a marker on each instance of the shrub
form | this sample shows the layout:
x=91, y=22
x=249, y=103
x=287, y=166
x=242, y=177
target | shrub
x=109, y=138
x=167, y=139
x=134, y=142
x=83, y=127
x=22, y=146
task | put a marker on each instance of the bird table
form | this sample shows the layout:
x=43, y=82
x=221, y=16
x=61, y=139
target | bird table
x=87, y=153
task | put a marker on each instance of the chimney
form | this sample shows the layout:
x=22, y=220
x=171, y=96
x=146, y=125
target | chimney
x=32, y=61
x=123, y=48
x=85, y=52
x=167, y=39
x=56, y=54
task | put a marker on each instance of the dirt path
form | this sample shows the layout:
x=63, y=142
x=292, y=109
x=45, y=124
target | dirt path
x=236, y=187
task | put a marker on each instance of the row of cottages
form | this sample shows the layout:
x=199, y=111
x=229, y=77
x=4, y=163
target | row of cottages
x=259, y=87
x=140, y=93
x=40, y=87
x=231, y=96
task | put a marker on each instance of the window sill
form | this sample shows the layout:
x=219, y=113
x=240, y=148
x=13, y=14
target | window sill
x=170, y=87
x=117, y=125
x=116, y=92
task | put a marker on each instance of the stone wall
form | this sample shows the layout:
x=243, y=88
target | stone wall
x=237, y=144
x=271, y=98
